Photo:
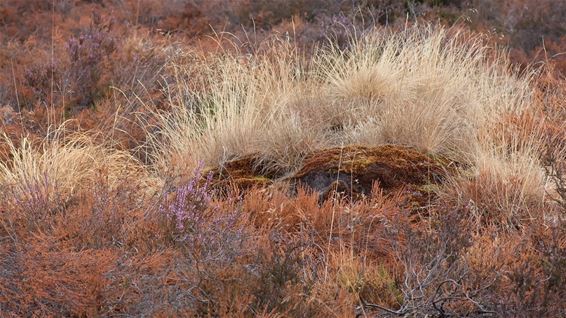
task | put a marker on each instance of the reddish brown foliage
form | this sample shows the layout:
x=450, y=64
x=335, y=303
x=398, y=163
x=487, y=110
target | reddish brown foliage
x=111, y=250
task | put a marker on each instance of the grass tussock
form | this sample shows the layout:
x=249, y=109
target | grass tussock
x=425, y=89
x=60, y=166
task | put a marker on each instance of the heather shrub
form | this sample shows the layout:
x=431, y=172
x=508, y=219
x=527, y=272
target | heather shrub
x=44, y=279
x=41, y=79
x=451, y=268
x=87, y=53
x=514, y=266
x=265, y=14
x=59, y=263
x=525, y=22
x=216, y=245
x=551, y=102
x=191, y=201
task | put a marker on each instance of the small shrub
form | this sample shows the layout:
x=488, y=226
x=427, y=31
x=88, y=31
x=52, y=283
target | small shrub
x=87, y=55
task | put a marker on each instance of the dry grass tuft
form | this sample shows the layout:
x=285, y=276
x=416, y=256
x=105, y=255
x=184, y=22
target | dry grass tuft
x=420, y=87
x=51, y=173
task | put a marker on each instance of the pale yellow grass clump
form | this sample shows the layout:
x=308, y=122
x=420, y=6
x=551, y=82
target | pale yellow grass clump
x=505, y=186
x=424, y=88
x=245, y=108
x=61, y=166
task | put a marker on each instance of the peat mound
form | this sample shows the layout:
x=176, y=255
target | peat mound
x=351, y=171
x=243, y=173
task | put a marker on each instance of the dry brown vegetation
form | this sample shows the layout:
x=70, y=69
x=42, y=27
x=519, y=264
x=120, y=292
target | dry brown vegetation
x=289, y=158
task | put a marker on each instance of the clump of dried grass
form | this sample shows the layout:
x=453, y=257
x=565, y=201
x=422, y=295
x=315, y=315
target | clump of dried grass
x=423, y=88
x=52, y=172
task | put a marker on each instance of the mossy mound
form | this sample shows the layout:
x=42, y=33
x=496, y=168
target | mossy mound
x=353, y=170
x=242, y=174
